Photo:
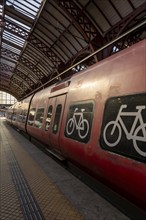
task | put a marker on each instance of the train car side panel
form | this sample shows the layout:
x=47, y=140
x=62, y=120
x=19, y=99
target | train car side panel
x=119, y=171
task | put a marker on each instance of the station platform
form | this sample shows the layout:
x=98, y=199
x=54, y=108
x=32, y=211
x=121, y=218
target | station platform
x=35, y=187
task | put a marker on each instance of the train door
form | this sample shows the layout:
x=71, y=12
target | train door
x=53, y=121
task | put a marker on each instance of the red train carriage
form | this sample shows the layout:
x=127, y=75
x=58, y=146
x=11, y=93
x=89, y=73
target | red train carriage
x=97, y=120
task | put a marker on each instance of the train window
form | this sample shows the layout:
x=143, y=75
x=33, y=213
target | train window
x=31, y=116
x=24, y=116
x=79, y=122
x=48, y=118
x=57, y=119
x=9, y=115
x=39, y=118
x=20, y=115
x=14, y=116
x=124, y=126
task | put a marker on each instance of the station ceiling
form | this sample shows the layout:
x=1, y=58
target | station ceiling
x=40, y=39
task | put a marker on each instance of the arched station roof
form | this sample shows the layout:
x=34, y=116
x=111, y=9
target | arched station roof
x=39, y=39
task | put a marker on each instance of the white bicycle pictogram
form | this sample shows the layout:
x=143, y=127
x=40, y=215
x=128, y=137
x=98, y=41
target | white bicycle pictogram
x=134, y=132
x=81, y=124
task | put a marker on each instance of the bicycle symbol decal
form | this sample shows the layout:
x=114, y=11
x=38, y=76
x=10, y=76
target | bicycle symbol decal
x=79, y=123
x=136, y=134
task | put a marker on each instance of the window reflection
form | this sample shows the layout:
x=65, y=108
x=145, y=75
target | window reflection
x=48, y=118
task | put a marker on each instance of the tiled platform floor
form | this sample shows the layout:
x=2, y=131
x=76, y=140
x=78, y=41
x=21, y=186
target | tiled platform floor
x=33, y=186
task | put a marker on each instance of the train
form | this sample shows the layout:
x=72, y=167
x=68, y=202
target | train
x=96, y=119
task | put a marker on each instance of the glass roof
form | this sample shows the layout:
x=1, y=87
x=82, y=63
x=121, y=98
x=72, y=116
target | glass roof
x=28, y=8
x=17, y=31
x=1, y=13
x=13, y=38
x=10, y=48
x=40, y=38
x=25, y=27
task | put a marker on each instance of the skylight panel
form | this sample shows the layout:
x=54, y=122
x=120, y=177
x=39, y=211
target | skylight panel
x=1, y=13
x=18, y=23
x=30, y=5
x=28, y=8
x=1, y=9
x=10, y=63
x=36, y=3
x=13, y=49
x=13, y=38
